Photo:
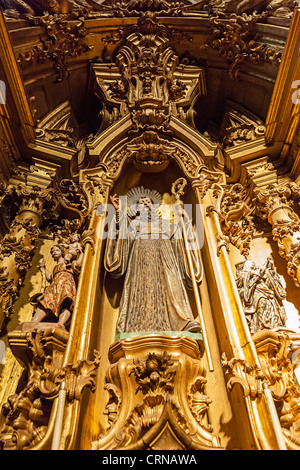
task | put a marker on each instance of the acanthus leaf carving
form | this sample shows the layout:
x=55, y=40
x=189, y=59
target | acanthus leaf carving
x=235, y=213
x=34, y=206
x=262, y=294
x=275, y=204
x=278, y=355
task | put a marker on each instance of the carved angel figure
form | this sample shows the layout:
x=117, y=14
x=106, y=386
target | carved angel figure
x=153, y=260
x=262, y=293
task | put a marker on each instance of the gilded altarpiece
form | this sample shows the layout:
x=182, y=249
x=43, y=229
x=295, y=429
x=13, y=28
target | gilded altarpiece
x=119, y=335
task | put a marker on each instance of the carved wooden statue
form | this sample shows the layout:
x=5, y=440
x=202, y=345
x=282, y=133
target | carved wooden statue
x=152, y=257
x=262, y=293
x=58, y=298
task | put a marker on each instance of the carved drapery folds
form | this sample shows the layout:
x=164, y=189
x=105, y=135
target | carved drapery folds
x=27, y=413
x=155, y=400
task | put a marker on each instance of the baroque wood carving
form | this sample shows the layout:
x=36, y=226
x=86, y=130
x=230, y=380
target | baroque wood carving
x=237, y=41
x=262, y=294
x=62, y=40
x=33, y=206
x=275, y=204
x=148, y=84
x=167, y=396
x=27, y=412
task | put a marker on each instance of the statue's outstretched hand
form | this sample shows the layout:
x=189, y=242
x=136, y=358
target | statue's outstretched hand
x=115, y=202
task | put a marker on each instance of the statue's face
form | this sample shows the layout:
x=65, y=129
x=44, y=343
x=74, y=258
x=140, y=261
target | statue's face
x=56, y=252
x=145, y=203
x=249, y=266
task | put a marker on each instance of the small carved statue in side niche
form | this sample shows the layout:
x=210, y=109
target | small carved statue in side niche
x=262, y=293
x=57, y=298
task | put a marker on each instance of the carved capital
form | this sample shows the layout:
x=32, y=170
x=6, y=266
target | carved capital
x=205, y=179
x=235, y=213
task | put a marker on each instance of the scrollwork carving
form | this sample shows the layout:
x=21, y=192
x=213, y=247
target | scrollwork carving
x=276, y=205
x=236, y=40
x=262, y=294
x=248, y=376
x=62, y=40
x=155, y=382
x=35, y=206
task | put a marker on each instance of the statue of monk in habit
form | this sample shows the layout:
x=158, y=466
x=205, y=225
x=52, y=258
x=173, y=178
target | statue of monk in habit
x=149, y=251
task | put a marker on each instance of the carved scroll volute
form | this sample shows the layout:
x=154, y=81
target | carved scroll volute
x=27, y=413
x=17, y=246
